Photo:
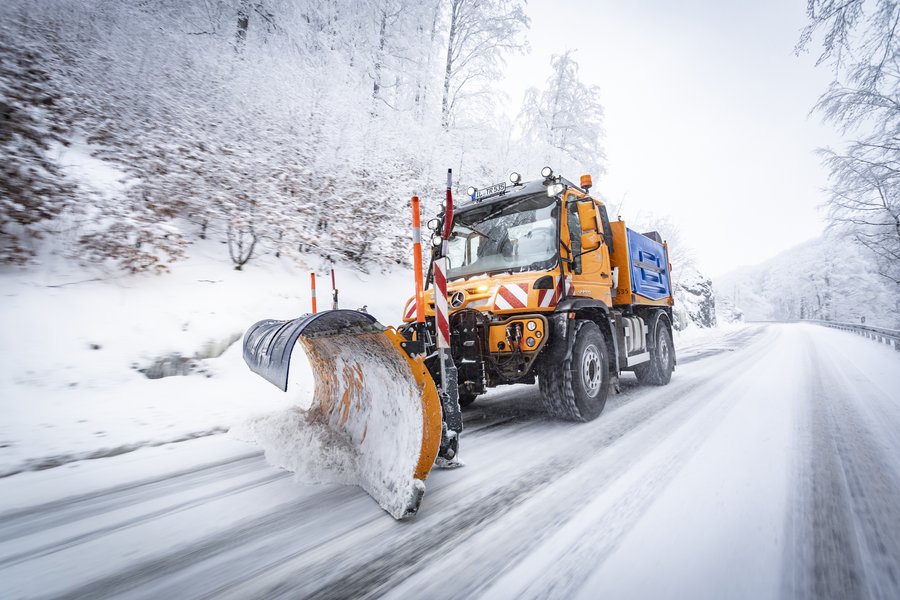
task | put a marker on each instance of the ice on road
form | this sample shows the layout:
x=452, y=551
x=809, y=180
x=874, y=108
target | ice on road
x=768, y=468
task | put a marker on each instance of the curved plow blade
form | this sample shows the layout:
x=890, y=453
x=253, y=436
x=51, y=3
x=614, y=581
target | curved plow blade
x=383, y=403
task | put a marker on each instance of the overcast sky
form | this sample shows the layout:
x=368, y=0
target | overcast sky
x=707, y=115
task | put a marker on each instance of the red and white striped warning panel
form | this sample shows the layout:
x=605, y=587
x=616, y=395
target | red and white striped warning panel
x=441, y=311
x=550, y=298
x=410, y=311
x=510, y=296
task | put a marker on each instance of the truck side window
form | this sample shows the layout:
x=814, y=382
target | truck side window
x=574, y=233
x=607, y=228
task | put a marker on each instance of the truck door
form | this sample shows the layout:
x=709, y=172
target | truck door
x=591, y=270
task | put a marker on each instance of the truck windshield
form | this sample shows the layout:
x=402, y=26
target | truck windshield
x=520, y=235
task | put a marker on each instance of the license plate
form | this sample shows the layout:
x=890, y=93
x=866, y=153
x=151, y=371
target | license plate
x=490, y=191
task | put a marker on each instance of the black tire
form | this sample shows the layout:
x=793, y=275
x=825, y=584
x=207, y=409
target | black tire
x=466, y=398
x=658, y=370
x=576, y=390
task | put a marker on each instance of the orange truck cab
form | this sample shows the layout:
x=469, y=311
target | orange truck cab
x=542, y=286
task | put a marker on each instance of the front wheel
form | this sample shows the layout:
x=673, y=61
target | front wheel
x=466, y=398
x=576, y=390
x=658, y=370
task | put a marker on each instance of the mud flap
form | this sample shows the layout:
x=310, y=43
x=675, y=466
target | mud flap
x=383, y=403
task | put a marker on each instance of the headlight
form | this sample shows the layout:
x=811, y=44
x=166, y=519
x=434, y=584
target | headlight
x=471, y=192
x=515, y=178
x=530, y=342
x=531, y=325
x=555, y=189
x=436, y=241
x=546, y=172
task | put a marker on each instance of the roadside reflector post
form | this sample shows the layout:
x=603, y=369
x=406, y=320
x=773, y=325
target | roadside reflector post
x=312, y=284
x=417, y=260
x=334, y=293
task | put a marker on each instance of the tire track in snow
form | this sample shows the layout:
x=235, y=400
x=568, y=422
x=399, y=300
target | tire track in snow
x=87, y=508
x=269, y=524
x=400, y=556
x=728, y=343
x=683, y=430
x=69, y=542
x=262, y=528
x=64, y=511
x=847, y=504
x=378, y=533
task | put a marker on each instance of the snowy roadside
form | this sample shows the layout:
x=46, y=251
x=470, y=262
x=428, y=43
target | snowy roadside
x=73, y=345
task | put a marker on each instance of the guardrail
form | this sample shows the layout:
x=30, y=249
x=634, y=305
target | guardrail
x=890, y=337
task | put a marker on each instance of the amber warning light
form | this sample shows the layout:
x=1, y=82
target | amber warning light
x=586, y=182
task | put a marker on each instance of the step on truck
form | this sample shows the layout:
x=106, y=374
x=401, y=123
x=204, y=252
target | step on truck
x=527, y=282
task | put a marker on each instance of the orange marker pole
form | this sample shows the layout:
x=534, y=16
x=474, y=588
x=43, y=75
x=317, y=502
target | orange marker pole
x=312, y=280
x=417, y=259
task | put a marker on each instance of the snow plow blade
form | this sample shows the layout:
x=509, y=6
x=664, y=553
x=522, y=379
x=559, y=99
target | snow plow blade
x=383, y=403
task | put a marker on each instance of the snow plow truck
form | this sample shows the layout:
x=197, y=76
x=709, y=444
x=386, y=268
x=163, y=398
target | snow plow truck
x=527, y=282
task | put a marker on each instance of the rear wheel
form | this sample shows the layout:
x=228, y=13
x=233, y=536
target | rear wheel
x=576, y=390
x=658, y=370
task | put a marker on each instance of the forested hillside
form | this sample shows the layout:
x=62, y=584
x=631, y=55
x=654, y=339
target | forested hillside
x=830, y=278
x=277, y=126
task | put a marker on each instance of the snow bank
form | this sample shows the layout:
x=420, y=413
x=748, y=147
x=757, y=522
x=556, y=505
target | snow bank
x=75, y=340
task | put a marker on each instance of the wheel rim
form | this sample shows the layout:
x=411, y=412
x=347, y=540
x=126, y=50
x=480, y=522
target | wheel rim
x=591, y=370
x=663, y=344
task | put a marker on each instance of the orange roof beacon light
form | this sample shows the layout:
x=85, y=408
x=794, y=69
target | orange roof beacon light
x=586, y=182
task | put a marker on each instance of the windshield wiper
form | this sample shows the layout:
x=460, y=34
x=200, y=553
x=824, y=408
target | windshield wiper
x=481, y=233
x=500, y=209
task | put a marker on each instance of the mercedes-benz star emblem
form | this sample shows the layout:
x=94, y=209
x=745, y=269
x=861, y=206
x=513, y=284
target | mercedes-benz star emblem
x=457, y=299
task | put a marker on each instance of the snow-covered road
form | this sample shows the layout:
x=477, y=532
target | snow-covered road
x=769, y=467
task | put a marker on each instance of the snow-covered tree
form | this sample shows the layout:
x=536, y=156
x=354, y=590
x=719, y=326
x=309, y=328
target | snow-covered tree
x=480, y=32
x=861, y=42
x=566, y=117
x=33, y=188
x=865, y=203
x=277, y=126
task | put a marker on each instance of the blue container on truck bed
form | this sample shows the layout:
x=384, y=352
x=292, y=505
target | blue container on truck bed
x=649, y=267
